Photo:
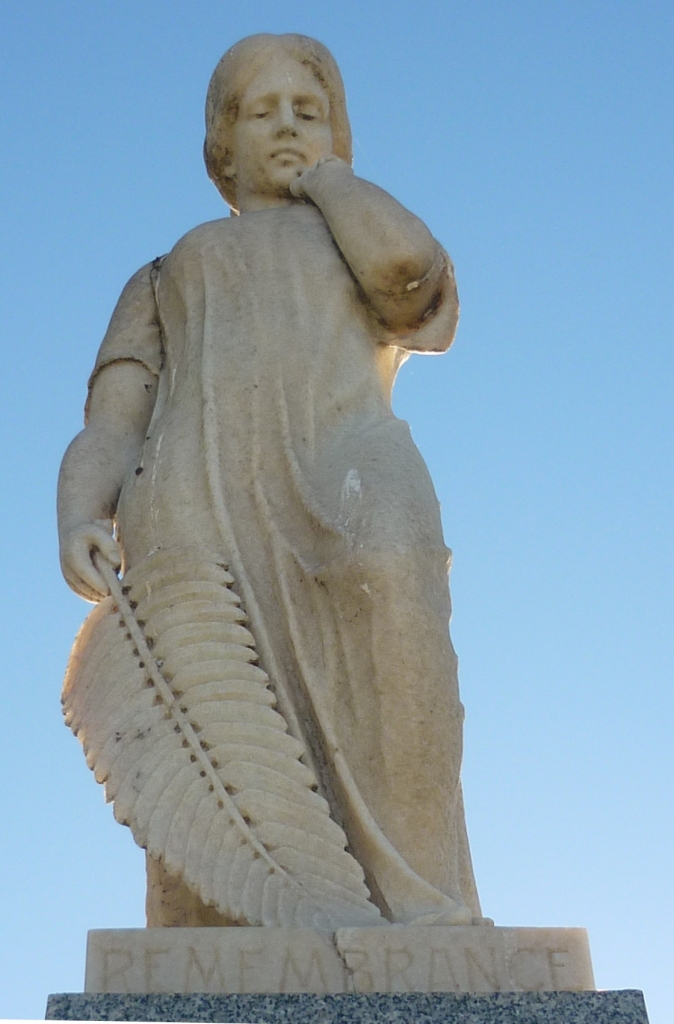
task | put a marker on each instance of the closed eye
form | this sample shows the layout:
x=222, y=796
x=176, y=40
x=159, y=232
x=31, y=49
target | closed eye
x=308, y=110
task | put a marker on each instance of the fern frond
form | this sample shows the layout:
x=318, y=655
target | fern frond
x=180, y=724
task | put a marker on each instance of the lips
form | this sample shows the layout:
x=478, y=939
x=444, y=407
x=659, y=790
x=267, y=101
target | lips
x=287, y=151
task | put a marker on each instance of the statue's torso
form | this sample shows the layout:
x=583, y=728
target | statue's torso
x=272, y=353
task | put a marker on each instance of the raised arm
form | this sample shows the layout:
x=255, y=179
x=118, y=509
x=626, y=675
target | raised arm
x=392, y=254
x=94, y=468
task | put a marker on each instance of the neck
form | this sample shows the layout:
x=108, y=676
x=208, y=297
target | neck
x=247, y=202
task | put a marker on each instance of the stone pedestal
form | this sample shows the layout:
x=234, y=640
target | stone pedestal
x=439, y=1008
x=387, y=975
x=364, y=960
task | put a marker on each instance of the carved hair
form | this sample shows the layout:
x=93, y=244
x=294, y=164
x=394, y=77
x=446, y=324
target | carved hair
x=233, y=75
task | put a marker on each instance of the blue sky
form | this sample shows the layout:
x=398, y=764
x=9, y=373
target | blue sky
x=535, y=139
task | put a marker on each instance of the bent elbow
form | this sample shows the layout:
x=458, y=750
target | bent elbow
x=406, y=271
x=434, y=329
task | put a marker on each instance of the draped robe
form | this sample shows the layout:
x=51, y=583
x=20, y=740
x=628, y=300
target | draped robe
x=273, y=442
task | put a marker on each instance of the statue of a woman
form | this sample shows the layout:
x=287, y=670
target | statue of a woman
x=240, y=404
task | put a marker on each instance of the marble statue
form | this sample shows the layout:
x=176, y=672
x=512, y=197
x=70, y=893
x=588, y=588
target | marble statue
x=269, y=692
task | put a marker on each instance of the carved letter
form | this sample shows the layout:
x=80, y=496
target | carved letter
x=558, y=961
x=245, y=966
x=445, y=981
x=150, y=965
x=479, y=973
x=111, y=973
x=362, y=979
x=206, y=974
x=398, y=970
x=304, y=978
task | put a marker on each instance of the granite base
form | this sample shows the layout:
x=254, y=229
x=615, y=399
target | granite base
x=625, y=1007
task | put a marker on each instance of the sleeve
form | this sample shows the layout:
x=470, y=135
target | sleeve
x=435, y=332
x=134, y=333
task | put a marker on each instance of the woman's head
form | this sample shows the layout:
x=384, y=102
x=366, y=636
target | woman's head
x=237, y=71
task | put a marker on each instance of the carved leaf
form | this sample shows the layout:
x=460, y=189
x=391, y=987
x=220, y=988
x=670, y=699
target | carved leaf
x=180, y=724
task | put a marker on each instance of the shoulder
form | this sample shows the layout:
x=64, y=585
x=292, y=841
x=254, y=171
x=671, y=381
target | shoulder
x=133, y=334
x=204, y=235
x=138, y=289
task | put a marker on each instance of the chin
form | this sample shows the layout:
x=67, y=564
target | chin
x=281, y=186
x=283, y=177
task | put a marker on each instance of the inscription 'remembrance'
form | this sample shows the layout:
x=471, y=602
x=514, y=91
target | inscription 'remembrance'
x=270, y=693
x=428, y=959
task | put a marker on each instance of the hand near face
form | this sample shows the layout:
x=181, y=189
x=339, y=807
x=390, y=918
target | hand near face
x=308, y=183
x=282, y=151
x=282, y=130
x=392, y=255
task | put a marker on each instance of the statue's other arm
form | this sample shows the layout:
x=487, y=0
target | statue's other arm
x=392, y=254
x=122, y=394
x=94, y=468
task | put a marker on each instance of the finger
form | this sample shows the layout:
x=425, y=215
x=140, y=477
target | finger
x=93, y=581
x=81, y=588
x=296, y=188
x=108, y=547
x=78, y=568
x=84, y=569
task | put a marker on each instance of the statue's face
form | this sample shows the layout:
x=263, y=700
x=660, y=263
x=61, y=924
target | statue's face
x=282, y=128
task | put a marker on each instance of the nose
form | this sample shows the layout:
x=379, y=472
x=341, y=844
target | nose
x=286, y=119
